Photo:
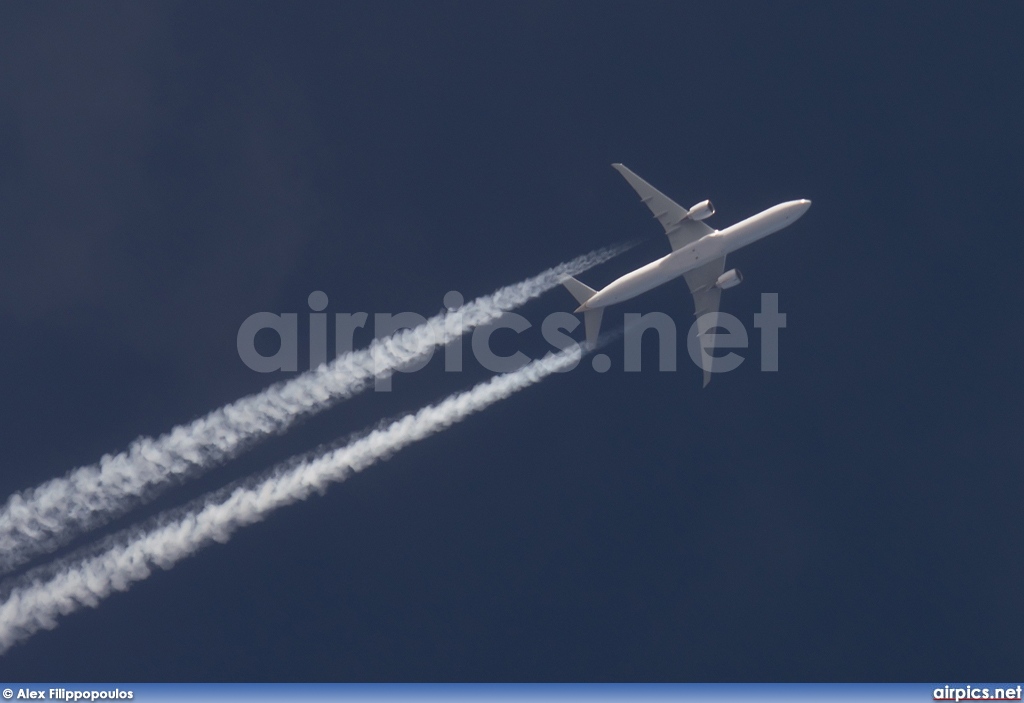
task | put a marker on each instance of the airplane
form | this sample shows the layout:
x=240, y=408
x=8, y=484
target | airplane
x=698, y=255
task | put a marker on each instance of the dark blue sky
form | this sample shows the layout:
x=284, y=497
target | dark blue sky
x=168, y=169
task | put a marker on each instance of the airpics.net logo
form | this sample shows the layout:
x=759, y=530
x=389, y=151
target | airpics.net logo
x=712, y=340
x=977, y=693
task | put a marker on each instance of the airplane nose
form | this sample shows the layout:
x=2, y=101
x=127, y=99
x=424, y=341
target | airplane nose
x=796, y=209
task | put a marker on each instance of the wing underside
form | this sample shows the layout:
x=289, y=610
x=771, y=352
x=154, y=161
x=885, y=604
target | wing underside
x=669, y=213
x=706, y=298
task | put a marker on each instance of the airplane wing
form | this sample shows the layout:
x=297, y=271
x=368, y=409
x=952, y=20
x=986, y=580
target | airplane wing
x=706, y=296
x=669, y=213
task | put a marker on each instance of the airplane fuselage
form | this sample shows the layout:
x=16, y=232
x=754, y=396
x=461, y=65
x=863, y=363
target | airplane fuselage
x=707, y=248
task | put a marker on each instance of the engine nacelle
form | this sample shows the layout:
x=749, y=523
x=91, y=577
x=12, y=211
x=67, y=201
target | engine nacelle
x=701, y=211
x=729, y=279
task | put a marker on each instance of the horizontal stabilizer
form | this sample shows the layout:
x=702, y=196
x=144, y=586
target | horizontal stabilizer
x=580, y=291
x=592, y=320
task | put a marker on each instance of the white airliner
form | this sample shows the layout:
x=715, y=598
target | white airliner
x=698, y=254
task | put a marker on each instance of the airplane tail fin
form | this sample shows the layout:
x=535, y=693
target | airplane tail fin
x=591, y=318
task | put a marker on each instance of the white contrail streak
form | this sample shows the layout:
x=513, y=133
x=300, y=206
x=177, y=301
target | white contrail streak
x=40, y=520
x=86, y=582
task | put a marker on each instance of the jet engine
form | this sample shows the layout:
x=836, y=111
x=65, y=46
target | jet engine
x=729, y=279
x=701, y=211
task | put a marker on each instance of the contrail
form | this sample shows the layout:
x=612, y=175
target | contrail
x=40, y=520
x=85, y=582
